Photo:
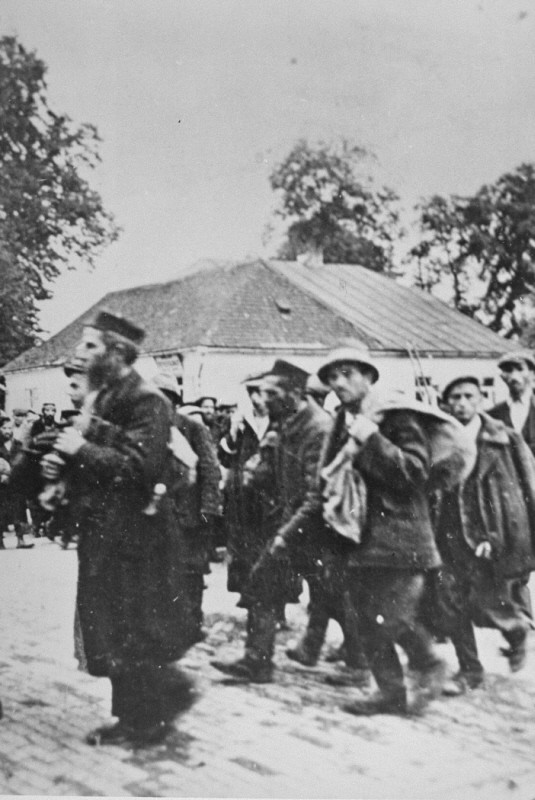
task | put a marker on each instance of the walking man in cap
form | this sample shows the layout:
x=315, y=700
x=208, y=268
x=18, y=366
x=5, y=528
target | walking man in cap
x=518, y=412
x=483, y=529
x=129, y=581
x=289, y=459
x=386, y=571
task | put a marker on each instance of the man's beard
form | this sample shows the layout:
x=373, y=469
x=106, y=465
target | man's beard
x=101, y=371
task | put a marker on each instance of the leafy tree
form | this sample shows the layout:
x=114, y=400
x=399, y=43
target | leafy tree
x=481, y=249
x=331, y=205
x=50, y=218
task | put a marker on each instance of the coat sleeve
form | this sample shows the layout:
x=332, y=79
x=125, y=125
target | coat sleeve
x=525, y=466
x=310, y=511
x=397, y=457
x=136, y=455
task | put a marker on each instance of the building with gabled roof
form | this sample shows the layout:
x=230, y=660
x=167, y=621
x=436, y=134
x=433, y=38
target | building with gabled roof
x=215, y=326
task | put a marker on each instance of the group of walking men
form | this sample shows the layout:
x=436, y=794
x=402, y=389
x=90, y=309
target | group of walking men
x=127, y=476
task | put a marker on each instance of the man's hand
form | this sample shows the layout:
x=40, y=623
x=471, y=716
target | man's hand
x=51, y=467
x=484, y=550
x=69, y=442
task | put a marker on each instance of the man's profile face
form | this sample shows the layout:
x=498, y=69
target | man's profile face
x=77, y=389
x=518, y=377
x=349, y=382
x=464, y=402
x=277, y=397
x=18, y=419
x=90, y=347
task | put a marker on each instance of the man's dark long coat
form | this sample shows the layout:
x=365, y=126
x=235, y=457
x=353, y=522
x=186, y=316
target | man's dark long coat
x=495, y=504
x=129, y=583
x=246, y=510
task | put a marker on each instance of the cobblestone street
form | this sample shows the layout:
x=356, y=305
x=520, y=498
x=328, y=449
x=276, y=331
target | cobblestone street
x=287, y=739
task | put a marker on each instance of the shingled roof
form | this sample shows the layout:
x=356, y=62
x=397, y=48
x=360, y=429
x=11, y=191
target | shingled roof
x=265, y=304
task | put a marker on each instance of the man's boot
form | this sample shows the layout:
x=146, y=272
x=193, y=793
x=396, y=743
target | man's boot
x=516, y=652
x=256, y=666
x=21, y=545
x=308, y=650
x=379, y=703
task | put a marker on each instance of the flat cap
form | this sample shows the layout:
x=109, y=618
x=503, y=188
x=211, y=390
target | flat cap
x=348, y=355
x=20, y=412
x=517, y=357
x=117, y=324
x=457, y=382
x=285, y=369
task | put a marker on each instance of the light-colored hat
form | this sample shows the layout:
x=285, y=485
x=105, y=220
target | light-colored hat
x=347, y=355
x=518, y=357
x=167, y=383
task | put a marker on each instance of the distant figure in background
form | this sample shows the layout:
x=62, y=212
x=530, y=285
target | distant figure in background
x=198, y=503
x=47, y=420
x=209, y=416
x=243, y=515
x=12, y=502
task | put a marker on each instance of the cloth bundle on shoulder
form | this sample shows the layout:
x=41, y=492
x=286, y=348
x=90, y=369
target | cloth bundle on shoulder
x=452, y=458
x=344, y=494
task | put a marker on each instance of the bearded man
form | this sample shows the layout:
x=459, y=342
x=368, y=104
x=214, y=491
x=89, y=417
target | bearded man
x=129, y=581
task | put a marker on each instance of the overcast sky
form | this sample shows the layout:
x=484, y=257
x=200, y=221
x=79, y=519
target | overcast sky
x=197, y=100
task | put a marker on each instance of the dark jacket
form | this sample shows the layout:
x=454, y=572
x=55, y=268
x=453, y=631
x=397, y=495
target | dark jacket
x=130, y=576
x=394, y=463
x=197, y=505
x=502, y=412
x=302, y=439
x=495, y=504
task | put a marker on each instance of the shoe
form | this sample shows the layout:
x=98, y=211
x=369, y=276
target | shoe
x=462, y=683
x=431, y=680
x=23, y=546
x=116, y=733
x=302, y=656
x=120, y=733
x=516, y=656
x=379, y=703
x=246, y=670
x=336, y=654
x=350, y=677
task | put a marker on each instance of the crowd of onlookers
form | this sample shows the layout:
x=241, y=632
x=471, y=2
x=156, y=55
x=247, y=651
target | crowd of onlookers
x=409, y=522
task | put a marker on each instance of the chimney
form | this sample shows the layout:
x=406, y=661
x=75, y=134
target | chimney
x=312, y=257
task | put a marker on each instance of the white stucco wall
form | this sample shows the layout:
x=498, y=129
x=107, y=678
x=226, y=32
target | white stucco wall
x=221, y=373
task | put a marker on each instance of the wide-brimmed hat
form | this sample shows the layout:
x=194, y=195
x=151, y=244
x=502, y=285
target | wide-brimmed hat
x=517, y=357
x=348, y=355
x=167, y=383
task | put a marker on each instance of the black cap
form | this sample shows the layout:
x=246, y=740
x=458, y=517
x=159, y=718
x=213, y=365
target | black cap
x=116, y=324
x=292, y=373
x=456, y=382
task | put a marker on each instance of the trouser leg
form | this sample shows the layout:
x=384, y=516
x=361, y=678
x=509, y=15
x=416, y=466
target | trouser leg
x=261, y=631
x=138, y=697
x=348, y=619
x=464, y=641
x=193, y=595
